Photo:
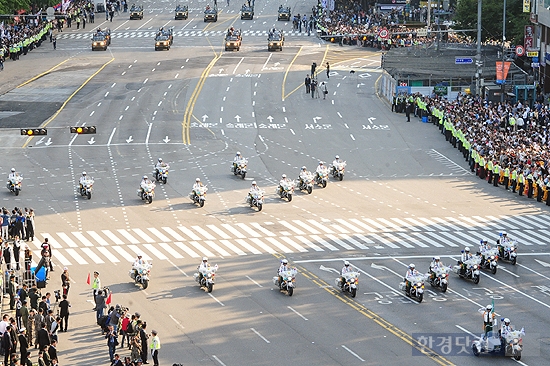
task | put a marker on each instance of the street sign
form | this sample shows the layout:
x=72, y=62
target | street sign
x=532, y=53
x=520, y=51
x=384, y=33
x=463, y=60
x=535, y=65
x=50, y=13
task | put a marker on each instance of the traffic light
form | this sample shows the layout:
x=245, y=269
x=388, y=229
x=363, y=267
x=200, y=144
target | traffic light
x=83, y=130
x=33, y=131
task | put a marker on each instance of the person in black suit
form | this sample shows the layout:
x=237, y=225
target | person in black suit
x=307, y=83
x=52, y=351
x=7, y=344
x=64, y=306
x=43, y=337
x=143, y=336
x=23, y=345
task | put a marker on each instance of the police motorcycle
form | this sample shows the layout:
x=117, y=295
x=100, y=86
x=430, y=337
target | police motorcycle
x=349, y=284
x=256, y=199
x=198, y=195
x=161, y=174
x=86, y=188
x=140, y=274
x=306, y=182
x=14, y=183
x=468, y=269
x=416, y=290
x=508, y=345
x=337, y=170
x=489, y=259
x=439, y=278
x=321, y=178
x=207, y=278
x=508, y=250
x=286, y=189
x=239, y=167
x=288, y=283
x=146, y=191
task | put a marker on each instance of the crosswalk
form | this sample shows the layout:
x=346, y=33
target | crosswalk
x=292, y=236
x=184, y=33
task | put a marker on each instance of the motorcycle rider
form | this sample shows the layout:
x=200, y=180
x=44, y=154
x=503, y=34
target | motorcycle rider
x=336, y=163
x=145, y=181
x=483, y=247
x=203, y=267
x=237, y=160
x=346, y=269
x=13, y=175
x=254, y=190
x=283, y=267
x=488, y=317
x=284, y=180
x=138, y=263
x=502, y=242
x=320, y=169
x=463, y=258
x=160, y=164
x=83, y=180
x=506, y=328
x=436, y=263
x=303, y=175
x=411, y=272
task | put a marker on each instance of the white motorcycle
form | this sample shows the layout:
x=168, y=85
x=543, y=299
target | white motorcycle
x=306, y=182
x=469, y=269
x=147, y=192
x=141, y=274
x=288, y=283
x=14, y=184
x=338, y=170
x=350, y=283
x=321, y=178
x=86, y=188
x=256, y=199
x=198, y=195
x=239, y=167
x=489, y=260
x=207, y=278
x=162, y=174
x=509, y=251
x=286, y=189
x=416, y=290
x=440, y=278
x=511, y=345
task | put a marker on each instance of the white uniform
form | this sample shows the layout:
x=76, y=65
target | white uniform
x=13, y=176
x=465, y=256
x=139, y=262
x=320, y=169
x=346, y=269
x=410, y=274
x=197, y=185
x=161, y=165
x=435, y=265
x=505, y=330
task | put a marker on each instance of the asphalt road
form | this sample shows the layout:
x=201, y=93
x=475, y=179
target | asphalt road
x=407, y=196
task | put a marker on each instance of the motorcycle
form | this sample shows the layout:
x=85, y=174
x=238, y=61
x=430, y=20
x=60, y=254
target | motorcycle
x=239, y=167
x=338, y=169
x=489, y=260
x=256, y=200
x=141, y=274
x=306, y=182
x=286, y=189
x=207, y=278
x=508, y=251
x=86, y=189
x=321, y=177
x=147, y=192
x=440, y=278
x=289, y=281
x=162, y=174
x=510, y=345
x=14, y=185
x=198, y=195
x=350, y=284
x=472, y=269
x=416, y=290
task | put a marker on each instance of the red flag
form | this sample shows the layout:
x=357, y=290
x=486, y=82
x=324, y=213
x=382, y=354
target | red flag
x=108, y=301
x=88, y=280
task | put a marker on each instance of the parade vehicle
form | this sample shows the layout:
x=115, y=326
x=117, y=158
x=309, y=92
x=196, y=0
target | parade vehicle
x=256, y=199
x=211, y=14
x=306, y=183
x=99, y=42
x=470, y=270
x=247, y=12
x=239, y=168
x=140, y=274
x=233, y=40
x=416, y=289
x=494, y=342
x=275, y=40
x=440, y=279
x=489, y=259
x=181, y=12
x=322, y=177
x=288, y=283
x=14, y=184
x=198, y=195
x=146, y=192
x=350, y=283
x=136, y=12
x=207, y=278
x=162, y=42
x=284, y=13
x=338, y=170
x=508, y=250
x=86, y=188
x=286, y=189
x=161, y=174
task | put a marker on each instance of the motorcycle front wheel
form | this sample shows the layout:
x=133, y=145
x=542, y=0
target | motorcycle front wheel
x=476, y=279
x=420, y=297
x=444, y=287
x=475, y=351
x=494, y=269
x=290, y=291
x=243, y=174
x=289, y=196
x=210, y=287
x=201, y=203
x=260, y=206
x=513, y=261
x=309, y=190
x=353, y=292
x=164, y=180
x=150, y=199
x=145, y=284
x=17, y=192
x=324, y=184
x=341, y=177
x=89, y=195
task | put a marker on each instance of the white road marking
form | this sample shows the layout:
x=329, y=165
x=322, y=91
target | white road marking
x=259, y=335
x=111, y=137
x=144, y=236
x=94, y=257
x=157, y=253
x=353, y=353
x=236, y=67
x=256, y=283
x=108, y=254
x=170, y=250
x=128, y=257
x=158, y=234
x=218, y=301
x=177, y=322
x=148, y=133
x=186, y=249
x=218, y=360
x=297, y=313
x=128, y=236
x=82, y=239
x=67, y=240
x=248, y=246
x=97, y=238
x=76, y=256
x=353, y=138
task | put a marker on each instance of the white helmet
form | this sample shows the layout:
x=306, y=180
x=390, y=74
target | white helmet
x=83, y=173
x=467, y=249
x=160, y=160
x=144, y=177
x=489, y=307
x=436, y=258
x=13, y=170
x=197, y=180
x=284, y=261
x=337, y=157
x=346, y=263
x=506, y=321
x=238, y=153
x=204, y=259
x=411, y=266
x=283, y=176
x=320, y=163
x=253, y=183
x=504, y=233
x=139, y=255
x=304, y=168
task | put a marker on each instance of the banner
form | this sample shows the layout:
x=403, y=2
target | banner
x=502, y=73
x=528, y=37
x=526, y=6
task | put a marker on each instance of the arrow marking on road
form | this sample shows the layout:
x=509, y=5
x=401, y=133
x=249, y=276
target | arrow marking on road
x=277, y=64
x=49, y=142
x=270, y=119
x=328, y=269
x=166, y=139
x=219, y=72
x=204, y=117
x=544, y=264
x=129, y=139
x=238, y=118
x=376, y=266
x=371, y=120
x=92, y=141
x=247, y=71
x=40, y=141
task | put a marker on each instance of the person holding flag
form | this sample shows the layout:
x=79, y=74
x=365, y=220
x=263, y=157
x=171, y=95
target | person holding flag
x=488, y=318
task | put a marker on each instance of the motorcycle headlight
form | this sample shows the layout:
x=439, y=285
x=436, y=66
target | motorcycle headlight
x=492, y=257
x=516, y=341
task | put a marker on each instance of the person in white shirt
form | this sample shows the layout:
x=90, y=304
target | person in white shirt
x=320, y=168
x=160, y=164
x=284, y=180
x=203, y=267
x=198, y=184
x=13, y=175
x=506, y=328
x=83, y=178
x=254, y=190
x=145, y=181
x=303, y=174
x=138, y=262
x=346, y=269
x=436, y=264
x=237, y=159
x=282, y=268
x=411, y=272
x=463, y=258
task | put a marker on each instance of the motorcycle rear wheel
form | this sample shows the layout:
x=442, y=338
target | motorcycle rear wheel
x=290, y=291
x=145, y=284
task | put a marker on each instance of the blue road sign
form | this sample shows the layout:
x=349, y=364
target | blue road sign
x=463, y=60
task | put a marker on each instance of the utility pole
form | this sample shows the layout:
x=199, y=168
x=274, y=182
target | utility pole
x=503, y=52
x=478, y=53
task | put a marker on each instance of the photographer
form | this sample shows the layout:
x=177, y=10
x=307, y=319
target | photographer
x=100, y=305
x=116, y=315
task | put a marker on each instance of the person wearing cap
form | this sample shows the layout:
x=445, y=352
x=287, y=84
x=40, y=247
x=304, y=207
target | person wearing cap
x=30, y=326
x=155, y=347
x=284, y=181
x=505, y=328
x=411, y=272
x=283, y=267
x=466, y=255
x=138, y=262
x=436, y=264
x=96, y=286
x=23, y=345
x=18, y=306
x=320, y=169
x=488, y=317
x=237, y=160
x=203, y=267
x=65, y=281
x=346, y=269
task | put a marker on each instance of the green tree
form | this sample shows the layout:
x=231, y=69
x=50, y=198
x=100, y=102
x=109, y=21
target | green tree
x=11, y=6
x=491, y=19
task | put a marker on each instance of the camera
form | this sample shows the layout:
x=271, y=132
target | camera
x=57, y=295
